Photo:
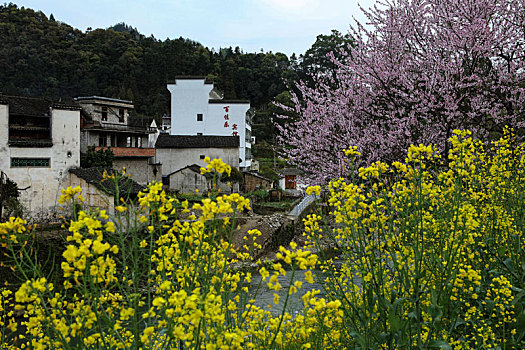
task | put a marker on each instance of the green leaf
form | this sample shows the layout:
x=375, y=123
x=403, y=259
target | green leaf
x=518, y=297
x=458, y=323
x=520, y=326
x=412, y=315
x=359, y=339
x=439, y=344
x=395, y=322
x=436, y=312
x=508, y=263
x=490, y=306
x=396, y=304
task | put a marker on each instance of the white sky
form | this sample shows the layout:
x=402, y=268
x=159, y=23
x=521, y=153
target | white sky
x=272, y=25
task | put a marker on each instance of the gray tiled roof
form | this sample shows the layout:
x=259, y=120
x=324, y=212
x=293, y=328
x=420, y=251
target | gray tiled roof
x=196, y=141
x=95, y=175
x=229, y=101
x=191, y=77
x=28, y=106
x=102, y=98
x=32, y=106
x=248, y=173
x=193, y=167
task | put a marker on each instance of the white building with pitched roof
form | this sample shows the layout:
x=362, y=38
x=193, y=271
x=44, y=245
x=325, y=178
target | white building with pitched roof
x=39, y=143
x=198, y=109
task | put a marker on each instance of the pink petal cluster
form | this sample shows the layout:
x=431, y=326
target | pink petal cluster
x=421, y=69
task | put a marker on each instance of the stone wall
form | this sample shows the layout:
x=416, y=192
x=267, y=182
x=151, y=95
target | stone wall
x=94, y=198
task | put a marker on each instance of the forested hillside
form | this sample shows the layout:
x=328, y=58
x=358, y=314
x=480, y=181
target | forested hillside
x=40, y=56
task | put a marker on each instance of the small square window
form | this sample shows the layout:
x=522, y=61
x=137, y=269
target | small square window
x=203, y=156
x=199, y=117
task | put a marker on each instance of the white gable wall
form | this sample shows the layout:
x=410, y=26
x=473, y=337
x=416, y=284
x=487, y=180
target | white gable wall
x=43, y=183
x=190, y=97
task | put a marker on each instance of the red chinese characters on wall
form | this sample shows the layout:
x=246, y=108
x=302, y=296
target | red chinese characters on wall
x=226, y=124
x=226, y=116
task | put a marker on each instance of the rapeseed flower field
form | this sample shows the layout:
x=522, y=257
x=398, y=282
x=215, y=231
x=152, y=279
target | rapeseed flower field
x=431, y=256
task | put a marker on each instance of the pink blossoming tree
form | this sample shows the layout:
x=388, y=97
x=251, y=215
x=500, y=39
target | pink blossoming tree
x=419, y=70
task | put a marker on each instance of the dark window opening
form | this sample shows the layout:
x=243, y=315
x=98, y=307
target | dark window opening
x=121, y=115
x=199, y=117
x=30, y=162
x=104, y=113
x=122, y=141
x=202, y=156
x=29, y=128
x=199, y=134
x=102, y=141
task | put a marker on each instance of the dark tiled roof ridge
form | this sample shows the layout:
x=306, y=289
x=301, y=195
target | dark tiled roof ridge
x=193, y=167
x=7, y=97
x=94, y=176
x=33, y=106
x=61, y=105
x=103, y=98
x=257, y=175
x=229, y=101
x=197, y=141
x=190, y=77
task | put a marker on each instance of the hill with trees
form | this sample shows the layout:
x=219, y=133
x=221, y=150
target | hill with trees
x=40, y=56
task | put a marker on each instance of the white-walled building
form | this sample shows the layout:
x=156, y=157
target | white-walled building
x=175, y=152
x=198, y=109
x=39, y=143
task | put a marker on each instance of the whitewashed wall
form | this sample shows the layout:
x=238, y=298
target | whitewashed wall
x=173, y=159
x=41, y=198
x=190, y=97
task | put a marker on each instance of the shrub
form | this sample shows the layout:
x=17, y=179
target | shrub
x=258, y=195
x=104, y=157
